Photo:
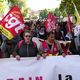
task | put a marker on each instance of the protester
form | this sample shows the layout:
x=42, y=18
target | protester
x=0, y=39
x=7, y=48
x=59, y=33
x=51, y=46
x=42, y=33
x=38, y=26
x=1, y=53
x=26, y=47
x=73, y=39
x=7, y=45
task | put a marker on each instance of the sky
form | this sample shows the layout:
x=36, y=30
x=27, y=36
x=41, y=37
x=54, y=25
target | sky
x=42, y=4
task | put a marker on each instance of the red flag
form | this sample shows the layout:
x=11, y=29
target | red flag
x=69, y=24
x=50, y=22
x=13, y=23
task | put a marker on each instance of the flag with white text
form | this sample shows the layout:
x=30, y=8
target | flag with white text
x=13, y=23
x=50, y=22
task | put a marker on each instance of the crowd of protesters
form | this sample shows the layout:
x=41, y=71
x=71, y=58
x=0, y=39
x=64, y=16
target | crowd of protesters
x=49, y=41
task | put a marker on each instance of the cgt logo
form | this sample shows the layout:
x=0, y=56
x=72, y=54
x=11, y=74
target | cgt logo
x=66, y=77
x=13, y=22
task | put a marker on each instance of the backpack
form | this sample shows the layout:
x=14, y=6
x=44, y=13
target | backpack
x=21, y=41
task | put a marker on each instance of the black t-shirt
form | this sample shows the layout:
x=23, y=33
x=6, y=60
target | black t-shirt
x=49, y=46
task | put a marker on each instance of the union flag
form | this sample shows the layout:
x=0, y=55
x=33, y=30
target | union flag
x=12, y=23
x=50, y=22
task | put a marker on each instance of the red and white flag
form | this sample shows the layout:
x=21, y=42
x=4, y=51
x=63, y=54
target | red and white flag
x=13, y=23
x=69, y=24
x=50, y=22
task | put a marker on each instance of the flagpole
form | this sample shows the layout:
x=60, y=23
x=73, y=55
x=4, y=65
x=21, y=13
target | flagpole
x=75, y=8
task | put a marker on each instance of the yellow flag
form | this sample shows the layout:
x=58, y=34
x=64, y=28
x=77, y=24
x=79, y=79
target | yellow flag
x=76, y=18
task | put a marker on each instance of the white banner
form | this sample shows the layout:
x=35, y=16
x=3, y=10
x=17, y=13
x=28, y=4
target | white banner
x=51, y=68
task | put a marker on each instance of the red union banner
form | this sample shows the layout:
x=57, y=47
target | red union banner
x=50, y=22
x=13, y=23
x=68, y=24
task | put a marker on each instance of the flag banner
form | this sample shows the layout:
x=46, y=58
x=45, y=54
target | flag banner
x=50, y=22
x=68, y=24
x=76, y=17
x=51, y=68
x=12, y=23
x=68, y=69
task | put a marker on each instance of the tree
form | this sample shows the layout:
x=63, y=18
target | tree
x=22, y=4
x=43, y=13
x=57, y=12
x=17, y=2
x=67, y=6
x=3, y=7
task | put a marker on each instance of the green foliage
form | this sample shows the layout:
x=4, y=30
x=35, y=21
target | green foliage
x=25, y=11
x=34, y=17
x=17, y=2
x=77, y=3
x=1, y=0
x=11, y=3
x=43, y=13
x=67, y=6
x=2, y=7
x=57, y=12
x=21, y=4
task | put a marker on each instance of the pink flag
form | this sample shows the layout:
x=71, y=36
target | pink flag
x=50, y=22
x=69, y=24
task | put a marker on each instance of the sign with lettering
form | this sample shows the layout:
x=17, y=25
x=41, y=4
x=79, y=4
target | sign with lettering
x=13, y=23
x=50, y=22
x=51, y=68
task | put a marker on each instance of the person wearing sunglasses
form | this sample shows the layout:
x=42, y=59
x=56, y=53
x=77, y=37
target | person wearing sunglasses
x=26, y=47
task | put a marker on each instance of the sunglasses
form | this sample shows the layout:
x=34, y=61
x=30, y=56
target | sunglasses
x=27, y=36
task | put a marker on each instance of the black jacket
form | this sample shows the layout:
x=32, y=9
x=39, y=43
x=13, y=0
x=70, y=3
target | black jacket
x=26, y=50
